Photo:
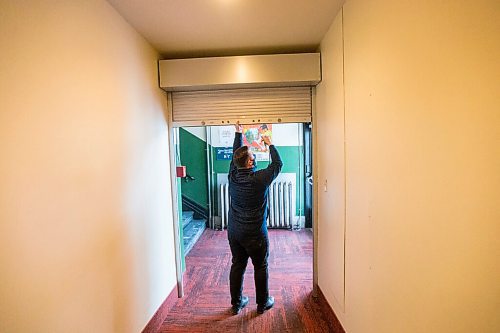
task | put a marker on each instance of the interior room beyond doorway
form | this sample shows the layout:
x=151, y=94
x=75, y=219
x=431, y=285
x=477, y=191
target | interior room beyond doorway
x=206, y=152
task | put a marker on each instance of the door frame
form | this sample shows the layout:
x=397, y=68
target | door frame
x=315, y=193
x=175, y=198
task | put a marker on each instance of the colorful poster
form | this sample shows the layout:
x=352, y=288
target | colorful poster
x=252, y=137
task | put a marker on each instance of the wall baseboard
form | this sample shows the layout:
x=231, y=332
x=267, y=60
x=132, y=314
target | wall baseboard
x=336, y=326
x=154, y=324
x=301, y=221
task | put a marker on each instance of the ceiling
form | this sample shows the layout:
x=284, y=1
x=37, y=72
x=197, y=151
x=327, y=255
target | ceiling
x=202, y=28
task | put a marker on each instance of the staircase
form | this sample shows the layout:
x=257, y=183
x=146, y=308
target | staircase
x=192, y=230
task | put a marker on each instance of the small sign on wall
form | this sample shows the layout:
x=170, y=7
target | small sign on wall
x=224, y=153
x=226, y=135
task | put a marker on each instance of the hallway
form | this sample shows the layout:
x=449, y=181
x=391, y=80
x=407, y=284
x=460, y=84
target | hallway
x=206, y=305
x=406, y=160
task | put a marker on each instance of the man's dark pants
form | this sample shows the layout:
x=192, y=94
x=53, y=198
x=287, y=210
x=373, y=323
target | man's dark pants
x=257, y=248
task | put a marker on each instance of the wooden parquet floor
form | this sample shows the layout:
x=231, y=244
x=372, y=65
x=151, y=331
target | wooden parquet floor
x=206, y=304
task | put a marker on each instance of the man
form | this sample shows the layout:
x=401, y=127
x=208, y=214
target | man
x=247, y=229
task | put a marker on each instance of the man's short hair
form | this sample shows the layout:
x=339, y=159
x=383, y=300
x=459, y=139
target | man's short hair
x=240, y=157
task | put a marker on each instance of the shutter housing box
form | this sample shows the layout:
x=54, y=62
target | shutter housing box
x=292, y=70
x=248, y=89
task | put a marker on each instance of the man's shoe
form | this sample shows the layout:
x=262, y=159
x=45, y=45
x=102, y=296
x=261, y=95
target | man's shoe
x=269, y=304
x=236, y=309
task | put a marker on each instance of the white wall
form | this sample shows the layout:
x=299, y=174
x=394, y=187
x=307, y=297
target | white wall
x=422, y=154
x=85, y=219
x=199, y=132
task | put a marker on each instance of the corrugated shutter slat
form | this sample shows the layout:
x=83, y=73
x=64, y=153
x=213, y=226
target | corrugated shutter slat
x=216, y=107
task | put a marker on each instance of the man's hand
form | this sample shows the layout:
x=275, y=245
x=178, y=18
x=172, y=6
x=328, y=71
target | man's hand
x=238, y=128
x=267, y=140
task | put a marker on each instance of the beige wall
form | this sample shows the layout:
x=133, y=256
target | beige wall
x=422, y=157
x=85, y=217
x=329, y=124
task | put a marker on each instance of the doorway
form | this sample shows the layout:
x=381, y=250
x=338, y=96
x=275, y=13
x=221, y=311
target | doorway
x=204, y=153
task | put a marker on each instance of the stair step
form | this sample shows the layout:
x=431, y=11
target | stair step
x=186, y=218
x=192, y=233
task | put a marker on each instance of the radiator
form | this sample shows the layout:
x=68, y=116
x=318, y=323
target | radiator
x=280, y=202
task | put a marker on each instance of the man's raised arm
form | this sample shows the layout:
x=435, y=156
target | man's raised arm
x=271, y=172
x=238, y=142
x=238, y=137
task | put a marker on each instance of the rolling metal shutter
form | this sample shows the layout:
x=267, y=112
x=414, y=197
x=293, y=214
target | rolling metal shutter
x=259, y=105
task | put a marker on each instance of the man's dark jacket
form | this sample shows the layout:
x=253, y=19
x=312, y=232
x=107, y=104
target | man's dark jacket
x=248, y=190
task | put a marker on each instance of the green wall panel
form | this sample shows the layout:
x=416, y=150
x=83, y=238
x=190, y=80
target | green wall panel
x=193, y=156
